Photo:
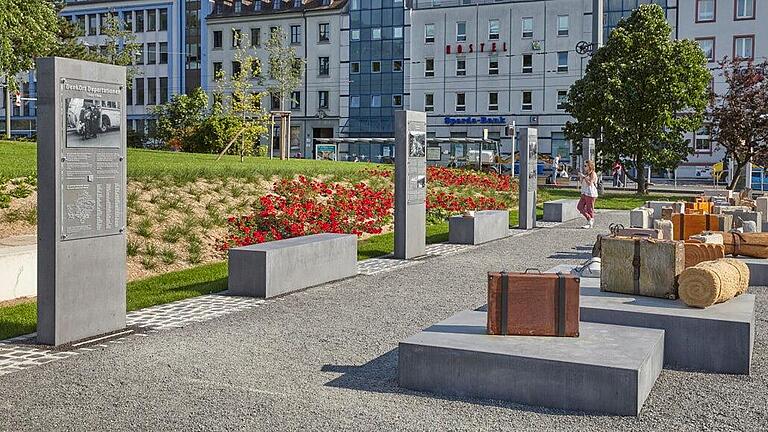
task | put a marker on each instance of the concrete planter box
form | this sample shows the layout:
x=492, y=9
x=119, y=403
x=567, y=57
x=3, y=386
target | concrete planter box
x=485, y=226
x=18, y=268
x=607, y=369
x=279, y=267
x=561, y=210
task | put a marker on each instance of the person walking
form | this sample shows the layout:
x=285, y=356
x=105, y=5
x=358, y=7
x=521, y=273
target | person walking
x=555, y=169
x=588, y=181
x=616, y=171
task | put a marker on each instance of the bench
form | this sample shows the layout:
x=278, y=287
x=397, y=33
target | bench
x=279, y=267
x=485, y=226
x=561, y=210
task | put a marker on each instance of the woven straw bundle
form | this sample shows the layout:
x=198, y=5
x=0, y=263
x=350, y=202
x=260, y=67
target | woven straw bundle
x=713, y=282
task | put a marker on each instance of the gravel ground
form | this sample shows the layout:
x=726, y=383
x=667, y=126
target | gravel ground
x=326, y=359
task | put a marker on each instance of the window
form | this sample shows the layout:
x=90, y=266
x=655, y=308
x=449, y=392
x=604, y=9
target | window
x=140, y=56
x=429, y=67
x=324, y=66
x=493, y=29
x=429, y=33
x=92, y=24
x=397, y=100
x=375, y=101
x=745, y=9
x=562, y=61
x=151, y=91
x=354, y=102
x=397, y=65
x=274, y=103
x=527, y=104
x=218, y=70
x=236, y=68
x=255, y=37
x=562, y=25
x=461, y=66
x=163, y=18
x=237, y=38
x=527, y=63
x=322, y=99
x=705, y=10
x=324, y=32
x=163, y=89
x=743, y=47
x=103, y=22
x=127, y=21
x=461, y=31
x=527, y=27
x=129, y=96
x=152, y=20
x=139, y=86
x=376, y=33
x=217, y=39
x=354, y=35
x=376, y=66
x=354, y=67
x=151, y=53
x=703, y=141
x=295, y=35
x=493, y=101
x=707, y=46
x=397, y=32
x=493, y=65
x=429, y=102
x=296, y=100
x=461, y=102
x=562, y=97
x=139, y=21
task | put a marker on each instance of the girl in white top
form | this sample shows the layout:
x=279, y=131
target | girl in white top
x=588, y=182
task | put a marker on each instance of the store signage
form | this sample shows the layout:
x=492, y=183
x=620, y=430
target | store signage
x=470, y=48
x=500, y=120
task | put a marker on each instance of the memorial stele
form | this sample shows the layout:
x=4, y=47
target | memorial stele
x=410, y=184
x=81, y=165
x=529, y=155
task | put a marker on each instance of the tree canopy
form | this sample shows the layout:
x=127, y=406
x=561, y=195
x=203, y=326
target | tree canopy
x=29, y=30
x=640, y=93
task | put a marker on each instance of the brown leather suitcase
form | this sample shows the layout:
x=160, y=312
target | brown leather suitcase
x=686, y=225
x=533, y=304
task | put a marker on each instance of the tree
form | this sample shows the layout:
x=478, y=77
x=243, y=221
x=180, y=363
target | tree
x=285, y=69
x=29, y=30
x=244, y=107
x=640, y=93
x=179, y=120
x=739, y=117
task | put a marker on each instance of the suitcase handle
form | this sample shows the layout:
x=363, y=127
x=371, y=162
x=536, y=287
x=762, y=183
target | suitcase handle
x=532, y=268
x=614, y=228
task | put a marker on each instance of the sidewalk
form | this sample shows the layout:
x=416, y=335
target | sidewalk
x=326, y=359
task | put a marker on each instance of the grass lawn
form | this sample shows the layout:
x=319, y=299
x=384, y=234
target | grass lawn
x=18, y=159
x=611, y=201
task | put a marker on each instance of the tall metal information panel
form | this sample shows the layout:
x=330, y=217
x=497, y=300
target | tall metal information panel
x=529, y=155
x=410, y=184
x=81, y=200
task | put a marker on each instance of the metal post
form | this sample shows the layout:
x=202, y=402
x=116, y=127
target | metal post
x=7, y=109
x=272, y=137
x=598, y=12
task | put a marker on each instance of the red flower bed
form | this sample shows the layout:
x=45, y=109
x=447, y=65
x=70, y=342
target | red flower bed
x=303, y=207
x=442, y=176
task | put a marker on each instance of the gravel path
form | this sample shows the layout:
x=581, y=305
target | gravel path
x=326, y=359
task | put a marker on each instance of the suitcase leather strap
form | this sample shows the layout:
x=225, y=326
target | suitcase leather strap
x=706, y=216
x=636, y=266
x=503, y=310
x=560, y=304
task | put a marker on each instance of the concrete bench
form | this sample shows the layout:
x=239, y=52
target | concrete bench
x=608, y=369
x=561, y=210
x=278, y=267
x=717, y=339
x=485, y=226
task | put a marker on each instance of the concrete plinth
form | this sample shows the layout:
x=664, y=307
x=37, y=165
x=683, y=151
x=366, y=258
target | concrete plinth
x=18, y=267
x=485, y=226
x=608, y=369
x=278, y=267
x=641, y=217
x=561, y=210
x=717, y=339
x=758, y=271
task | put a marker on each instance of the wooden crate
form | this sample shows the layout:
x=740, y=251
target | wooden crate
x=644, y=267
x=686, y=225
x=533, y=304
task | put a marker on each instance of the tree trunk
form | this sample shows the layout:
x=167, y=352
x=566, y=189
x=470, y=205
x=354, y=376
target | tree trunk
x=642, y=182
x=737, y=175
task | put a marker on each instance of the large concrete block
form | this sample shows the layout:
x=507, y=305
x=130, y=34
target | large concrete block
x=677, y=207
x=740, y=216
x=717, y=339
x=561, y=210
x=485, y=226
x=18, y=268
x=278, y=267
x=608, y=369
x=762, y=206
x=641, y=217
x=758, y=271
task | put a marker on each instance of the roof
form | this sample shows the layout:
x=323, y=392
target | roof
x=226, y=8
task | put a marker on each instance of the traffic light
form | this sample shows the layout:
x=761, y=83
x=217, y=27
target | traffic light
x=17, y=98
